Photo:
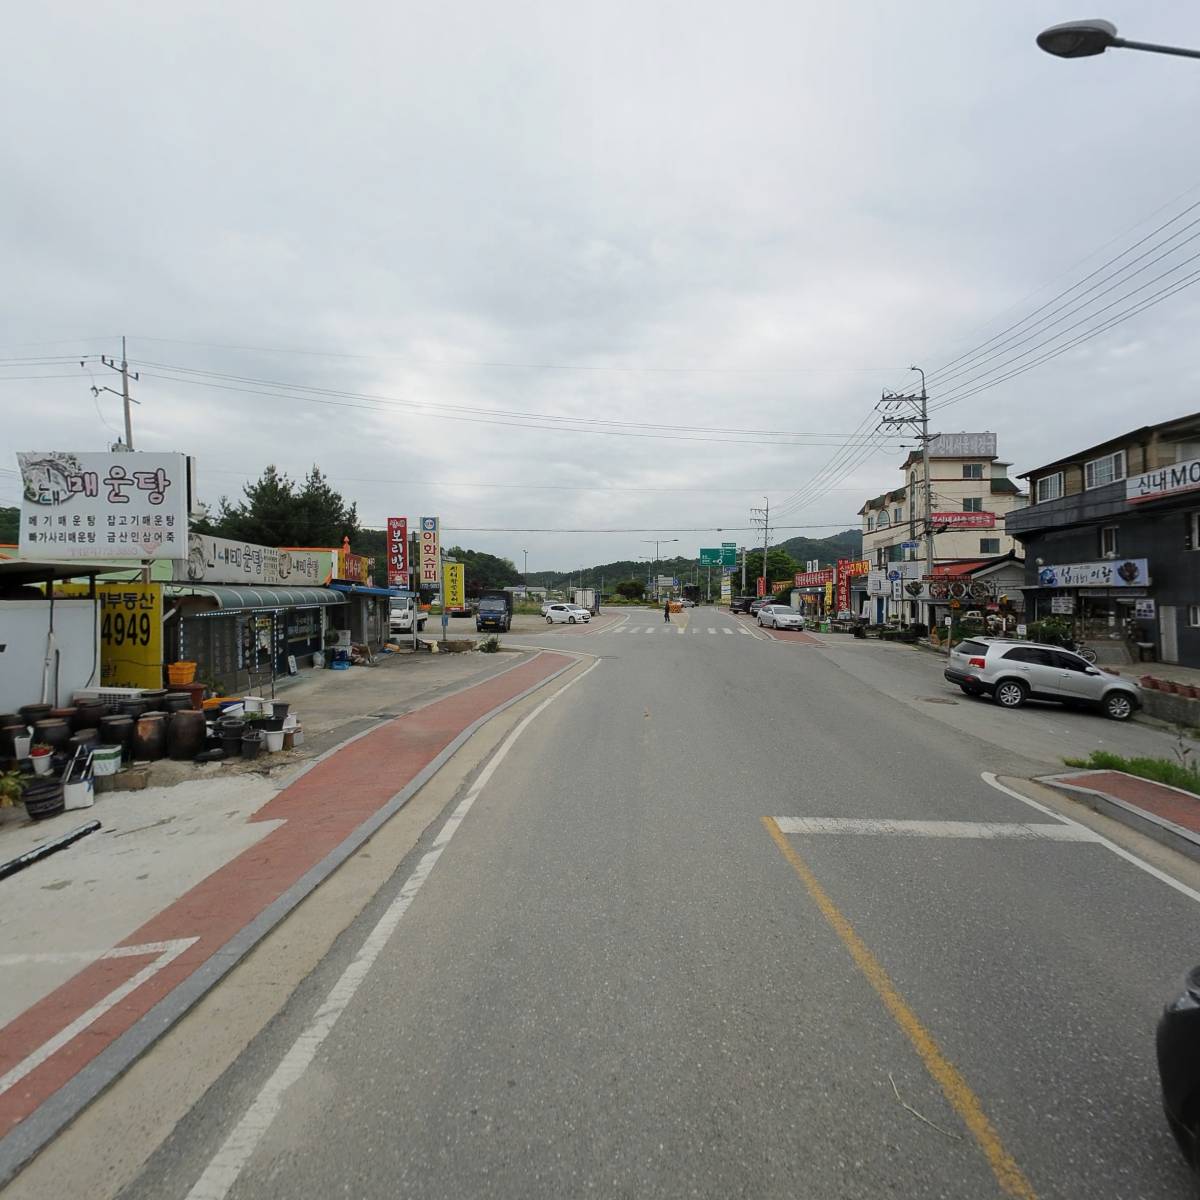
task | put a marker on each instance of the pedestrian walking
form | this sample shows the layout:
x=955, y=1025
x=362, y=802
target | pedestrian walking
x=667, y=612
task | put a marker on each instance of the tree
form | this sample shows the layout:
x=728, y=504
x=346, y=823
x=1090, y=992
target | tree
x=780, y=565
x=631, y=589
x=273, y=511
x=10, y=521
x=485, y=572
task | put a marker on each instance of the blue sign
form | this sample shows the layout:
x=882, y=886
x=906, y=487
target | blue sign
x=894, y=575
x=908, y=545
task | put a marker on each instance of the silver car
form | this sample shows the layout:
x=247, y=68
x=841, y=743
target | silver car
x=780, y=616
x=1012, y=672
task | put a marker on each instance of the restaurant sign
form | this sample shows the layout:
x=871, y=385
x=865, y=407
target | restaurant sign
x=221, y=560
x=814, y=578
x=1113, y=573
x=431, y=553
x=964, y=520
x=103, y=506
x=1163, y=481
x=397, y=551
x=353, y=568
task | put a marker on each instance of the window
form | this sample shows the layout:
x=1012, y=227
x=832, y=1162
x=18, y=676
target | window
x=977, y=648
x=1070, y=662
x=1104, y=470
x=898, y=515
x=1030, y=654
x=1194, y=615
x=989, y=545
x=1193, y=531
x=973, y=504
x=1108, y=541
x=972, y=470
x=870, y=524
x=1049, y=487
x=884, y=519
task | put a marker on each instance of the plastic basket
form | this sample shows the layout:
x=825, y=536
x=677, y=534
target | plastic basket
x=180, y=673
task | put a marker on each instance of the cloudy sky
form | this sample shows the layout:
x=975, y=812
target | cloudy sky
x=432, y=248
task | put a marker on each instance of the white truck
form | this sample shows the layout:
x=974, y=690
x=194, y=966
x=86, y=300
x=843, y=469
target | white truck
x=588, y=598
x=404, y=610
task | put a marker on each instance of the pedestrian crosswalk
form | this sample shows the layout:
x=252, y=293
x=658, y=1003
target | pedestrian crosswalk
x=716, y=631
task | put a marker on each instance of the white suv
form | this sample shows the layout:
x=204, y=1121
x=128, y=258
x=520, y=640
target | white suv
x=1012, y=672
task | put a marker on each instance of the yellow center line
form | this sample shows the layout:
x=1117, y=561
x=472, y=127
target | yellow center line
x=955, y=1088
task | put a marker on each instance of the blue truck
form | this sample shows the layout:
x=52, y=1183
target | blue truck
x=495, y=612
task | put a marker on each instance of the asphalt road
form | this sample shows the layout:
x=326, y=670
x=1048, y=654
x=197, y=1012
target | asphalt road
x=616, y=978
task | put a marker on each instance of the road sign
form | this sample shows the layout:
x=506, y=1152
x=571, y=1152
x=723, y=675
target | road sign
x=894, y=575
x=710, y=556
x=908, y=545
x=729, y=554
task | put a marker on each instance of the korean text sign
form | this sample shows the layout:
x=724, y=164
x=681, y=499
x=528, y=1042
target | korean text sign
x=397, y=552
x=431, y=553
x=102, y=506
x=456, y=586
x=220, y=560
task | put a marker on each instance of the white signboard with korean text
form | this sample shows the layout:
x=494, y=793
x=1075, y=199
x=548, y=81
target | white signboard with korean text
x=1163, y=481
x=1143, y=610
x=1062, y=605
x=220, y=560
x=1110, y=573
x=431, y=553
x=99, y=506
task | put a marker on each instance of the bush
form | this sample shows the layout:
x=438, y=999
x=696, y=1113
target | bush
x=631, y=589
x=490, y=644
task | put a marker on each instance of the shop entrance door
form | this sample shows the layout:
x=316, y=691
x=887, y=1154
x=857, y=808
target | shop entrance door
x=1168, y=633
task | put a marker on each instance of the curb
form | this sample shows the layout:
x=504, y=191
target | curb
x=33, y=1134
x=1165, y=832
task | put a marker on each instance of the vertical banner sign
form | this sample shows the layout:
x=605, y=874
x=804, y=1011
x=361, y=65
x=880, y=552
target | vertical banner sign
x=431, y=553
x=762, y=585
x=456, y=586
x=726, y=588
x=397, y=552
x=843, y=585
x=829, y=597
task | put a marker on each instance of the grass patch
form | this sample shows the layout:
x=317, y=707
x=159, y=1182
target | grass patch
x=1185, y=775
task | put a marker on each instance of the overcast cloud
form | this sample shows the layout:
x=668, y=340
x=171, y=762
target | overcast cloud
x=692, y=214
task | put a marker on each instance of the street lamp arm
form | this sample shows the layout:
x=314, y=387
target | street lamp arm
x=1084, y=39
x=1177, y=51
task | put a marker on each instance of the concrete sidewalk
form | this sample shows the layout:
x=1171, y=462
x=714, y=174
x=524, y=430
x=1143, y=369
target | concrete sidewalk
x=113, y=939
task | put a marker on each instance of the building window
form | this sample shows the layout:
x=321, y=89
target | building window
x=870, y=524
x=1193, y=531
x=898, y=515
x=1104, y=470
x=972, y=470
x=989, y=545
x=1049, y=487
x=1108, y=541
x=973, y=504
x=884, y=519
x=1194, y=615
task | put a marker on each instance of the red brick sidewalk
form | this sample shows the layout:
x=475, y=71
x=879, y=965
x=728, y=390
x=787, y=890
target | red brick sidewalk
x=1154, y=803
x=48, y=1044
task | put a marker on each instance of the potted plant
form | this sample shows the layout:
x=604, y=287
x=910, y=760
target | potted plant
x=11, y=785
x=40, y=754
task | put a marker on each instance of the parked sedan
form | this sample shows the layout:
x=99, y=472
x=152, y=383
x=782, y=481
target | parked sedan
x=741, y=604
x=757, y=606
x=780, y=616
x=566, y=614
x=1012, y=672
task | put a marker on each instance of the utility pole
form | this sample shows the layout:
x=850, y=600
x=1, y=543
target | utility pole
x=126, y=398
x=764, y=519
x=526, y=571
x=743, y=570
x=898, y=408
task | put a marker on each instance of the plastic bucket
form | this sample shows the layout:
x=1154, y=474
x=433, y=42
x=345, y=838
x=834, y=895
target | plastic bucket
x=179, y=673
x=106, y=759
x=79, y=795
x=274, y=740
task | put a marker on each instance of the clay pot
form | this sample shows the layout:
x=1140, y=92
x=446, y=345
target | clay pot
x=64, y=714
x=34, y=712
x=154, y=697
x=53, y=731
x=186, y=734
x=133, y=708
x=117, y=730
x=150, y=736
x=87, y=738
x=10, y=730
x=88, y=714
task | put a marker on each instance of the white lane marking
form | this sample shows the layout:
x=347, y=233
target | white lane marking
x=617, y=630
x=746, y=632
x=651, y=629
x=711, y=630
x=990, y=779
x=986, y=830
x=226, y=1165
x=682, y=630
x=164, y=952
x=728, y=631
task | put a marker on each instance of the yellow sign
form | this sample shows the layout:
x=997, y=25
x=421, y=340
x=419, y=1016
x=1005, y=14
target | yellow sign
x=131, y=631
x=353, y=568
x=828, y=597
x=456, y=586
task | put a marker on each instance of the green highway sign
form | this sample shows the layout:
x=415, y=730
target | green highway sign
x=729, y=554
x=711, y=556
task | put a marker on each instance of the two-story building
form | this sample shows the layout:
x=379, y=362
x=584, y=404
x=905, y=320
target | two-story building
x=971, y=496
x=1112, y=542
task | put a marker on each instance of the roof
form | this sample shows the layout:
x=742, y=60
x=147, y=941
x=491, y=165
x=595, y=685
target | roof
x=977, y=566
x=17, y=569
x=1004, y=487
x=234, y=598
x=1132, y=435
x=362, y=589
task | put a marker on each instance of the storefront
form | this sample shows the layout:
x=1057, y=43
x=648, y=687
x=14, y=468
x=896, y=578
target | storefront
x=369, y=612
x=1108, y=600
x=243, y=637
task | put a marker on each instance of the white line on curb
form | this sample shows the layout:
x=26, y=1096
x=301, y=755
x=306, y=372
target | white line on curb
x=226, y=1165
x=990, y=779
x=165, y=953
x=985, y=830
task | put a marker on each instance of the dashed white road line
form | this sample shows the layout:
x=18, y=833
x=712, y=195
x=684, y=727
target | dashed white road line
x=985, y=830
x=226, y=1165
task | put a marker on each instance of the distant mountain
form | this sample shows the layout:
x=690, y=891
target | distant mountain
x=847, y=544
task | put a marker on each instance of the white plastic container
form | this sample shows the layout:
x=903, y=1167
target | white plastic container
x=80, y=794
x=21, y=744
x=274, y=740
x=252, y=704
x=41, y=764
x=106, y=760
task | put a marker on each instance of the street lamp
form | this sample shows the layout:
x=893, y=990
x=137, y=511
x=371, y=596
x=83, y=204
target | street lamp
x=1083, y=39
x=526, y=572
x=658, y=542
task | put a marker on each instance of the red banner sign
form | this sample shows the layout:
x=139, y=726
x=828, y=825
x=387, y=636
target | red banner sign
x=965, y=520
x=814, y=578
x=397, y=551
x=762, y=585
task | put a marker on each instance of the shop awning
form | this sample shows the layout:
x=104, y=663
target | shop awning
x=231, y=598
x=361, y=589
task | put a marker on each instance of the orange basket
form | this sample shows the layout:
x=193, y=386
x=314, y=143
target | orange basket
x=179, y=673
